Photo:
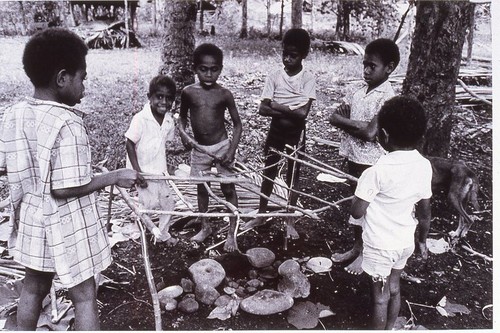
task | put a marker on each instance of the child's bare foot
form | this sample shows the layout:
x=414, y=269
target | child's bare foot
x=172, y=241
x=193, y=222
x=202, y=235
x=291, y=232
x=355, y=267
x=230, y=245
x=256, y=222
x=346, y=256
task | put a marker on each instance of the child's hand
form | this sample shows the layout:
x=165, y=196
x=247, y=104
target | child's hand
x=424, y=251
x=128, y=178
x=344, y=110
x=227, y=159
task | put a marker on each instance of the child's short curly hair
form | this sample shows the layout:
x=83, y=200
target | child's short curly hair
x=298, y=38
x=50, y=51
x=162, y=81
x=403, y=118
x=207, y=49
x=386, y=49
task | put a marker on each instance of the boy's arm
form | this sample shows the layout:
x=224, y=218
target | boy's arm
x=120, y=177
x=272, y=108
x=423, y=214
x=237, y=130
x=364, y=130
x=186, y=139
x=358, y=207
x=132, y=155
x=266, y=110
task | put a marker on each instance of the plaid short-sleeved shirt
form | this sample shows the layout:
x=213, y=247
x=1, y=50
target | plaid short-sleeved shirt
x=44, y=146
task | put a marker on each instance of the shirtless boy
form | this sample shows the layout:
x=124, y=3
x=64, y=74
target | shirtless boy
x=206, y=103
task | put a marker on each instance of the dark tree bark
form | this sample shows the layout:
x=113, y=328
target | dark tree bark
x=296, y=13
x=342, y=28
x=244, y=19
x=179, y=42
x=282, y=18
x=433, y=67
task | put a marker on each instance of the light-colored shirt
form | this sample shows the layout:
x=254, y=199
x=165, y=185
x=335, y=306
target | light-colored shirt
x=44, y=146
x=364, y=107
x=292, y=91
x=150, y=138
x=392, y=187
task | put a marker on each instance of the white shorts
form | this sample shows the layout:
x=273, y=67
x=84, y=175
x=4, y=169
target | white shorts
x=378, y=263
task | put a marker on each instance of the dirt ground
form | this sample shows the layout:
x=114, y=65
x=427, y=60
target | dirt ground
x=462, y=278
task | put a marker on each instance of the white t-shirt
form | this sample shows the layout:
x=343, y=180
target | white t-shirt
x=292, y=91
x=392, y=187
x=150, y=139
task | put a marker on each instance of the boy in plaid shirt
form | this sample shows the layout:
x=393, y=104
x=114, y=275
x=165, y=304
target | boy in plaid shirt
x=44, y=151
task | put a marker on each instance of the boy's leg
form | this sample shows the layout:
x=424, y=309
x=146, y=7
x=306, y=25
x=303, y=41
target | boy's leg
x=203, y=199
x=229, y=192
x=36, y=286
x=292, y=181
x=84, y=298
x=380, y=303
x=356, y=251
x=395, y=298
x=266, y=188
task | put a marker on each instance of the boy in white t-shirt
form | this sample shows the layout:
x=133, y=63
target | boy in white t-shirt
x=388, y=196
x=286, y=98
x=147, y=135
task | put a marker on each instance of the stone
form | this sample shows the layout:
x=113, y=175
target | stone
x=187, y=285
x=170, y=304
x=241, y=292
x=207, y=272
x=293, y=282
x=266, y=302
x=268, y=273
x=260, y=257
x=229, y=290
x=206, y=294
x=233, y=284
x=223, y=300
x=188, y=305
x=171, y=292
x=255, y=283
x=251, y=290
x=252, y=274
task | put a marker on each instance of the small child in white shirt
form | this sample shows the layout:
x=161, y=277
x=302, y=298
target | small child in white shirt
x=147, y=135
x=388, y=196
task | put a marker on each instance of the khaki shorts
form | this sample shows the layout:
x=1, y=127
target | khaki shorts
x=202, y=162
x=378, y=263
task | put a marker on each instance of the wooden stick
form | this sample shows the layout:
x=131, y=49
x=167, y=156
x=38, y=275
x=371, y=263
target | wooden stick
x=342, y=173
x=224, y=180
x=53, y=303
x=335, y=204
x=472, y=93
x=474, y=252
x=303, y=211
x=345, y=175
x=151, y=283
x=223, y=241
x=326, y=142
x=227, y=214
x=180, y=195
x=142, y=217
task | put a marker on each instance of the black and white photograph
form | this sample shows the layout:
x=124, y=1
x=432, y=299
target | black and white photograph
x=246, y=165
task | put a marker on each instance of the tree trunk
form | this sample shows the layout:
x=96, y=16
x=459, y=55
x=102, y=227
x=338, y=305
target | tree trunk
x=296, y=13
x=470, y=35
x=201, y=16
x=244, y=19
x=125, y=12
x=433, y=67
x=282, y=18
x=313, y=16
x=268, y=12
x=179, y=42
x=343, y=19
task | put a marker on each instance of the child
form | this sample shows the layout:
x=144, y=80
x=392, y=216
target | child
x=287, y=97
x=385, y=199
x=45, y=152
x=358, y=123
x=206, y=102
x=149, y=130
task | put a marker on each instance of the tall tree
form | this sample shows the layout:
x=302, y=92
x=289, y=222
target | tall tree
x=179, y=42
x=244, y=19
x=296, y=13
x=434, y=63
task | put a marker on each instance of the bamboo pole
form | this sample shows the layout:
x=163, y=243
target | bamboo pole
x=345, y=175
x=225, y=214
x=326, y=142
x=472, y=93
x=223, y=180
x=151, y=283
x=180, y=195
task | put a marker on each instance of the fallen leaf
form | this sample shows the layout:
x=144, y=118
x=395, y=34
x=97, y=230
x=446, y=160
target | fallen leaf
x=437, y=246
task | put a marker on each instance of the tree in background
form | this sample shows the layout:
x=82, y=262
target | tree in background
x=179, y=42
x=244, y=19
x=434, y=64
x=297, y=13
